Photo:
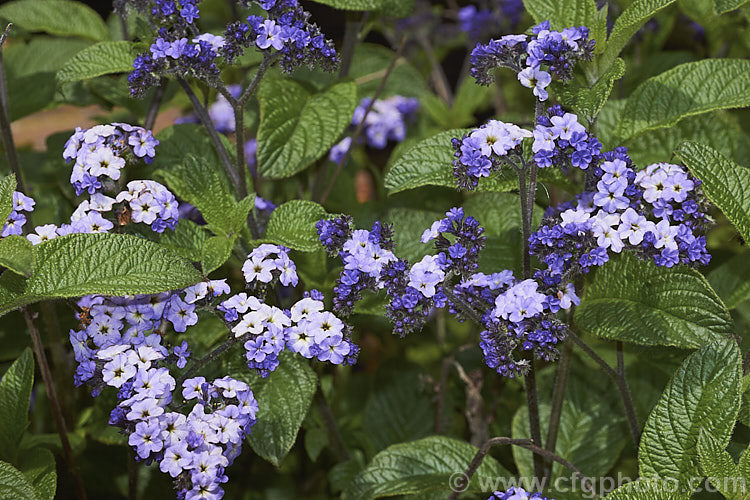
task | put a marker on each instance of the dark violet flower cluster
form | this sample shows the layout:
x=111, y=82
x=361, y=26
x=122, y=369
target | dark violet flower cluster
x=102, y=151
x=485, y=150
x=16, y=219
x=557, y=51
x=477, y=22
x=364, y=254
x=370, y=264
x=386, y=121
x=561, y=141
x=516, y=493
x=516, y=315
x=658, y=213
x=179, y=49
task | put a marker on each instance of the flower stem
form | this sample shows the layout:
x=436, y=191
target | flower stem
x=49, y=384
x=558, y=397
x=522, y=443
x=619, y=379
x=153, y=109
x=332, y=428
x=5, y=132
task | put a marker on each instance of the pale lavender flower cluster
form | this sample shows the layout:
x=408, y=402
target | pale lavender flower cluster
x=484, y=150
x=150, y=203
x=306, y=329
x=387, y=120
x=120, y=344
x=267, y=263
x=101, y=152
x=16, y=219
x=557, y=51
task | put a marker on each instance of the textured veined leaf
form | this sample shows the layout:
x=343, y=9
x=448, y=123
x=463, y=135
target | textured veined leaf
x=408, y=226
x=56, y=17
x=284, y=398
x=15, y=397
x=562, y=13
x=587, y=102
x=103, y=58
x=723, y=6
x=420, y=467
x=38, y=465
x=293, y=225
x=636, y=301
x=7, y=186
x=648, y=489
x=718, y=465
x=626, y=25
x=725, y=183
x=215, y=252
x=13, y=484
x=731, y=279
x=82, y=264
x=686, y=90
x=396, y=8
x=16, y=255
x=703, y=393
x=296, y=127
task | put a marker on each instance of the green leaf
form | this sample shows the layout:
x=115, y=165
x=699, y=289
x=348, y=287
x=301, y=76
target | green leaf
x=186, y=240
x=38, y=465
x=686, y=90
x=13, y=484
x=704, y=392
x=40, y=54
x=718, y=129
x=731, y=279
x=647, y=489
x=629, y=22
x=369, y=65
x=103, y=58
x=83, y=264
x=562, y=13
x=636, y=301
x=408, y=226
x=293, y=225
x=177, y=142
x=202, y=184
x=7, y=187
x=56, y=17
x=718, y=465
x=297, y=127
x=112, y=264
x=420, y=467
x=587, y=102
x=398, y=412
x=725, y=183
x=30, y=93
x=395, y=8
x=15, y=397
x=216, y=251
x=283, y=400
x=15, y=254
x=429, y=163
x=723, y=6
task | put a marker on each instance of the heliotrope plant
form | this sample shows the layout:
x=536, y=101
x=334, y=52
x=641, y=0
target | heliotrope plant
x=201, y=278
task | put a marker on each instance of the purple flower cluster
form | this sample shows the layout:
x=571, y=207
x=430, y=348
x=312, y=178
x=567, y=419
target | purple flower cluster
x=364, y=253
x=102, y=151
x=16, y=219
x=557, y=51
x=306, y=329
x=560, y=140
x=516, y=493
x=370, y=264
x=386, y=121
x=150, y=203
x=484, y=150
x=267, y=263
x=516, y=315
x=658, y=213
x=288, y=31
